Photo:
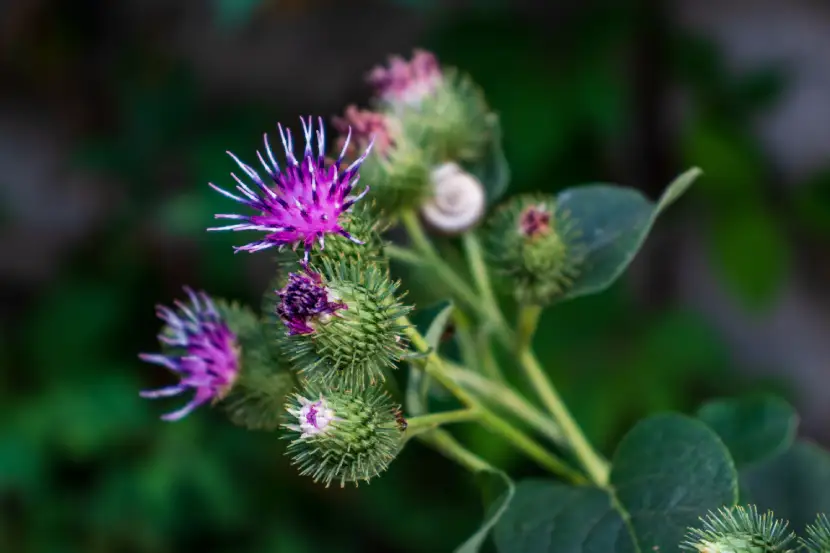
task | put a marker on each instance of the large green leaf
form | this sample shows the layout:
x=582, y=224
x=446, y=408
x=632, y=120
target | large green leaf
x=754, y=428
x=610, y=225
x=498, y=490
x=667, y=471
x=795, y=484
x=547, y=516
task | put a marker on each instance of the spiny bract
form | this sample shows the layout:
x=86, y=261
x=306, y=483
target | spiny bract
x=359, y=337
x=342, y=436
x=535, y=246
x=739, y=530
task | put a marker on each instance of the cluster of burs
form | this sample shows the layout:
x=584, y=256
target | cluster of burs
x=314, y=363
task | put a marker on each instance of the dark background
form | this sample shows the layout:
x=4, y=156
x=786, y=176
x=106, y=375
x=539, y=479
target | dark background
x=115, y=115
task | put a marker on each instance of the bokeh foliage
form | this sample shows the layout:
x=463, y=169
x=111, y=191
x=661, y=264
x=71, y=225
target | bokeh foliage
x=85, y=466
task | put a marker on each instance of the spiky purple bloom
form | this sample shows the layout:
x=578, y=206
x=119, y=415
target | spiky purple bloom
x=304, y=299
x=205, y=353
x=300, y=204
x=407, y=82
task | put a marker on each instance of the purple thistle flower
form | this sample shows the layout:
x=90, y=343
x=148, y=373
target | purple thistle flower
x=407, y=82
x=303, y=299
x=206, y=354
x=301, y=204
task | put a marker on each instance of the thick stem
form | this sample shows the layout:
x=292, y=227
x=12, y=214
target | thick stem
x=424, y=423
x=595, y=466
x=433, y=367
x=526, y=326
x=511, y=401
x=443, y=442
x=475, y=258
x=444, y=273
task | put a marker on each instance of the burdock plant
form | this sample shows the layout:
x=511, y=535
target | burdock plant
x=319, y=364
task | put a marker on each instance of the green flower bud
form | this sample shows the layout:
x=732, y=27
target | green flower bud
x=535, y=246
x=256, y=399
x=398, y=169
x=342, y=436
x=362, y=224
x=739, y=530
x=341, y=324
x=818, y=536
x=452, y=122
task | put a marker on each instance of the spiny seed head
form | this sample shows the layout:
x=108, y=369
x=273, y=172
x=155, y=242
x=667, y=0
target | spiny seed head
x=400, y=170
x=201, y=350
x=407, y=82
x=442, y=111
x=818, y=536
x=535, y=246
x=302, y=204
x=362, y=336
x=342, y=436
x=739, y=530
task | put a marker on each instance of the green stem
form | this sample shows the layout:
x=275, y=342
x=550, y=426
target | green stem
x=425, y=423
x=402, y=254
x=526, y=326
x=443, y=272
x=466, y=340
x=419, y=238
x=510, y=400
x=443, y=442
x=475, y=258
x=433, y=367
x=595, y=466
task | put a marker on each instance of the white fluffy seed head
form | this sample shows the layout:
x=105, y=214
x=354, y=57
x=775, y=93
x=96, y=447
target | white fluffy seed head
x=458, y=200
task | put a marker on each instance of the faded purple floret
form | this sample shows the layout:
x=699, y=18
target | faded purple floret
x=206, y=354
x=303, y=300
x=301, y=203
x=366, y=126
x=534, y=220
x=407, y=82
x=311, y=415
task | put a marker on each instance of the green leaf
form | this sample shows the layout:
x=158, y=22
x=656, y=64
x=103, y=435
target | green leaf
x=547, y=516
x=498, y=490
x=611, y=224
x=431, y=323
x=754, y=428
x=493, y=171
x=794, y=484
x=439, y=324
x=668, y=471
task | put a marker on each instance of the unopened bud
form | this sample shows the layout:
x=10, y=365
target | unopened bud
x=535, y=246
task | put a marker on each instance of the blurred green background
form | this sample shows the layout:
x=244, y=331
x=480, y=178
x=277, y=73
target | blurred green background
x=115, y=115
